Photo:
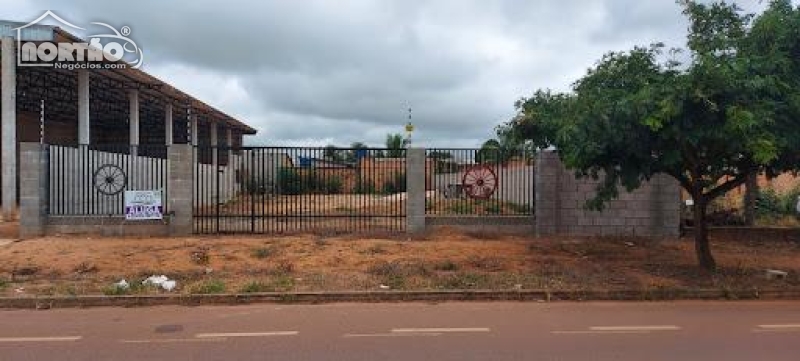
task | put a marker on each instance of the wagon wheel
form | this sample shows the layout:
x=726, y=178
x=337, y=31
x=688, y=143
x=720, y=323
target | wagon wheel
x=480, y=182
x=109, y=179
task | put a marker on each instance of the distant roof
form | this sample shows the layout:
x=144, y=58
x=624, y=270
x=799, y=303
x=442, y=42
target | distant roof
x=39, y=32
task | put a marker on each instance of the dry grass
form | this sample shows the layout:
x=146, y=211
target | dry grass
x=444, y=259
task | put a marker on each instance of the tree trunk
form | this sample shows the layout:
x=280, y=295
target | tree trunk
x=750, y=196
x=701, y=244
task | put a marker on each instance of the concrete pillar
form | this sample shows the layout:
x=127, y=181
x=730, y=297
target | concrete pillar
x=133, y=119
x=415, y=190
x=33, y=192
x=181, y=188
x=195, y=133
x=214, y=135
x=547, y=179
x=84, y=124
x=229, y=144
x=168, y=123
x=8, y=153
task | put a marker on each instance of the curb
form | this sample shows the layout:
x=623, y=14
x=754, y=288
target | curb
x=392, y=296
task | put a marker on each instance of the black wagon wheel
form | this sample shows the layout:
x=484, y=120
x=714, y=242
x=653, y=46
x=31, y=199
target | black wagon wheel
x=110, y=179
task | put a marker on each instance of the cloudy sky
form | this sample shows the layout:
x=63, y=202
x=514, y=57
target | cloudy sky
x=316, y=72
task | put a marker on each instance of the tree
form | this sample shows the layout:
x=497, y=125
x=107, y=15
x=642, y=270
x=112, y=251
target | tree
x=333, y=153
x=730, y=111
x=490, y=152
x=356, y=148
x=395, y=144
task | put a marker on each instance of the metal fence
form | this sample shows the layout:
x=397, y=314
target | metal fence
x=91, y=180
x=480, y=182
x=299, y=189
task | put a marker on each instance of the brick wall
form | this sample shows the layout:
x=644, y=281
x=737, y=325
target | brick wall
x=650, y=211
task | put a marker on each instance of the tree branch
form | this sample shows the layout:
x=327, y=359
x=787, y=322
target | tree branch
x=727, y=186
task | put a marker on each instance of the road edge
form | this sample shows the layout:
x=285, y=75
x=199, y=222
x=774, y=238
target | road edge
x=47, y=302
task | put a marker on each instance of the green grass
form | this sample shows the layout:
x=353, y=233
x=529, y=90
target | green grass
x=4, y=284
x=279, y=284
x=208, y=287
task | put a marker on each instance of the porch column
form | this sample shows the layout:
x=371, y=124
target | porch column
x=229, y=144
x=83, y=108
x=214, y=142
x=168, y=124
x=9, y=127
x=195, y=133
x=133, y=120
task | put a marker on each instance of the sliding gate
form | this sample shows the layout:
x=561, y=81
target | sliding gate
x=298, y=189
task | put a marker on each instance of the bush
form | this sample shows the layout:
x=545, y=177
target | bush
x=290, y=181
x=364, y=187
x=396, y=185
x=333, y=185
x=772, y=203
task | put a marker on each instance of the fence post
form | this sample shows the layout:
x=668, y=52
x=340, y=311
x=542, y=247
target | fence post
x=181, y=187
x=547, y=178
x=415, y=190
x=33, y=189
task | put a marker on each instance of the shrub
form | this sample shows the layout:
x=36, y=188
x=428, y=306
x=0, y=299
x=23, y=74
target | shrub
x=333, y=185
x=493, y=208
x=395, y=185
x=462, y=208
x=364, y=187
x=289, y=181
x=768, y=202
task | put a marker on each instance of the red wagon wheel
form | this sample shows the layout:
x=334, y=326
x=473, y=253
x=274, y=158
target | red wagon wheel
x=480, y=182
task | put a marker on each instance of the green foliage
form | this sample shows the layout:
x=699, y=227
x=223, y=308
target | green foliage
x=289, y=181
x=208, y=287
x=493, y=207
x=770, y=203
x=395, y=185
x=364, y=187
x=395, y=144
x=728, y=111
x=462, y=207
x=3, y=284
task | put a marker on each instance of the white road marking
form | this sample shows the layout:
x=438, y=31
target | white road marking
x=440, y=330
x=175, y=340
x=41, y=339
x=635, y=328
x=781, y=327
x=401, y=334
x=246, y=334
x=598, y=332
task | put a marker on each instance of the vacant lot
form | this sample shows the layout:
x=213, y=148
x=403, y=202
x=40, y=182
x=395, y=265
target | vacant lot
x=441, y=260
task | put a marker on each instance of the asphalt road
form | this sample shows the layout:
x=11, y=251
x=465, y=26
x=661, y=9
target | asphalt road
x=451, y=331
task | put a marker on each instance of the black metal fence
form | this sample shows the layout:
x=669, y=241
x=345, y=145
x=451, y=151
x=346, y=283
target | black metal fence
x=299, y=189
x=91, y=180
x=480, y=182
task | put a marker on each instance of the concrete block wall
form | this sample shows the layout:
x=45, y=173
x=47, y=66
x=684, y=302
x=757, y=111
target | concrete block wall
x=33, y=190
x=650, y=211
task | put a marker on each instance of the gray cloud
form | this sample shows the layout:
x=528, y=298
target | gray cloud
x=321, y=71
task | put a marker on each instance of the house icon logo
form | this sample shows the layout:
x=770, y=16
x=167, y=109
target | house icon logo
x=110, y=50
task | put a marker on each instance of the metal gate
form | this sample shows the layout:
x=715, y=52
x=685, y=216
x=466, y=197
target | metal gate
x=299, y=189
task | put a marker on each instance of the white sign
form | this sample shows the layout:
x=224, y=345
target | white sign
x=110, y=46
x=143, y=205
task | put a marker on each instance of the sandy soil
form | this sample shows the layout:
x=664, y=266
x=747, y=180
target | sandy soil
x=445, y=259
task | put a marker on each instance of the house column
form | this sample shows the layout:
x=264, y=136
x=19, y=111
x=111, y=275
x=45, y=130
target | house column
x=214, y=142
x=83, y=108
x=229, y=144
x=195, y=133
x=133, y=120
x=168, y=123
x=9, y=127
